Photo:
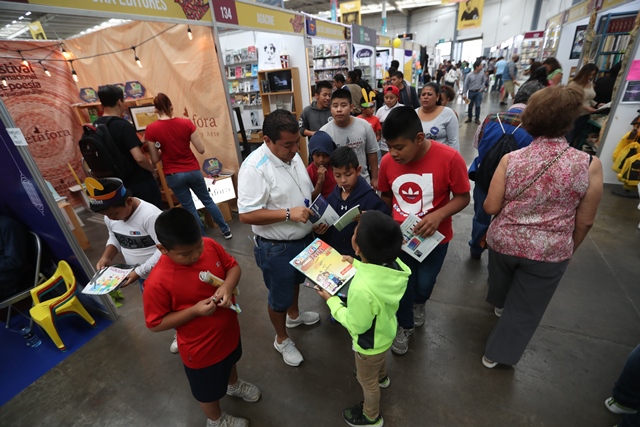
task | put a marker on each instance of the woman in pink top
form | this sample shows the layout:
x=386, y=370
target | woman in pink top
x=170, y=138
x=544, y=198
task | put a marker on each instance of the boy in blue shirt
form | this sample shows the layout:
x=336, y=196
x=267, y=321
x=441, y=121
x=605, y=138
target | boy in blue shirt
x=351, y=190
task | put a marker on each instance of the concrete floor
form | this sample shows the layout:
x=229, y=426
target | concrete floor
x=127, y=377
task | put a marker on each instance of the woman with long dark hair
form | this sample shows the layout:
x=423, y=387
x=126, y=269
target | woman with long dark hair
x=554, y=71
x=438, y=122
x=584, y=80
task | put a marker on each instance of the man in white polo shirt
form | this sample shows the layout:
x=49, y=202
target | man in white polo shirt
x=274, y=194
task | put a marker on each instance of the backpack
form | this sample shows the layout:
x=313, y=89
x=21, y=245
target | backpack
x=626, y=152
x=630, y=171
x=506, y=144
x=100, y=152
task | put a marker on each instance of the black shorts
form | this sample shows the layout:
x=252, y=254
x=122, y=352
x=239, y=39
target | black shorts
x=210, y=384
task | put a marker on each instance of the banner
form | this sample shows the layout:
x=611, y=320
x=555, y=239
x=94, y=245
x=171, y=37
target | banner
x=187, y=71
x=470, y=14
x=195, y=10
x=41, y=107
x=350, y=13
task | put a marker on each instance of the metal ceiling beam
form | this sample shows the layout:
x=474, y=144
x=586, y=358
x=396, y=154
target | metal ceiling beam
x=398, y=8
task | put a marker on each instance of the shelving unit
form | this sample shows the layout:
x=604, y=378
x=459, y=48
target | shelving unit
x=241, y=72
x=330, y=59
x=88, y=112
x=612, y=39
x=530, y=50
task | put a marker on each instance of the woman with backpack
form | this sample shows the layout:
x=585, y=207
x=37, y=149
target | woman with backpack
x=544, y=199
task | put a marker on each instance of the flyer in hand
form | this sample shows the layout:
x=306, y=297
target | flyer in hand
x=324, y=265
x=323, y=213
x=417, y=246
x=108, y=279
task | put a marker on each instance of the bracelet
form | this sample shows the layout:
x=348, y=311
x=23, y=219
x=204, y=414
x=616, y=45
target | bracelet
x=288, y=218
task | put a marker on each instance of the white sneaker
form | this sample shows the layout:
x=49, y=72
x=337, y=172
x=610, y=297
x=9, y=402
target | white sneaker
x=247, y=391
x=617, y=408
x=401, y=342
x=173, y=348
x=227, y=420
x=290, y=354
x=304, y=317
x=418, y=315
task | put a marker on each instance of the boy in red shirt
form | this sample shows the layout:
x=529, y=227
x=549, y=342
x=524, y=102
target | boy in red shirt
x=207, y=327
x=321, y=146
x=418, y=177
x=368, y=113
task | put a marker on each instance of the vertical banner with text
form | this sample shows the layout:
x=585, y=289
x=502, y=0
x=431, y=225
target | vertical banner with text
x=470, y=14
x=350, y=12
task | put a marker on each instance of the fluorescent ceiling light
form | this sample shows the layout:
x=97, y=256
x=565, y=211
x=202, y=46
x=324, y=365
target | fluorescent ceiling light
x=27, y=14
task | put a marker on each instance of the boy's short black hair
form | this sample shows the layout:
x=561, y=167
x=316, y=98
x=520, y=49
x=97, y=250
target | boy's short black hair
x=177, y=227
x=398, y=74
x=342, y=94
x=323, y=84
x=109, y=95
x=401, y=122
x=358, y=72
x=277, y=122
x=339, y=78
x=379, y=237
x=395, y=64
x=110, y=185
x=344, y=157
x=352, y=76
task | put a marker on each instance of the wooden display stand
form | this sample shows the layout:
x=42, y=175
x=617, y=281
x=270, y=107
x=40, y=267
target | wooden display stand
x=290, y=100
x=82, y=109
x=74, y=224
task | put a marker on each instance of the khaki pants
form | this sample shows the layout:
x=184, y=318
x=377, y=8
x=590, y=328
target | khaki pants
x=509, y=88
x=371, y=369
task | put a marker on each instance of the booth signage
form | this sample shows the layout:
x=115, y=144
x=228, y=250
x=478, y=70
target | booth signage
x=311, y=26
x=180, y=9
x=578, y=11
x=255, y=16
x=350, y=12
x=470, y=14
x=534, y=34
x=363, y=35
x=329, y=30
x=383, y=41
x=225, y=12
x=607, y=4
x=364, y=53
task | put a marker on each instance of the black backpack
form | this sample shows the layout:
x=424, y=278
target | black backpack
x=506, y=144
x=100, y=152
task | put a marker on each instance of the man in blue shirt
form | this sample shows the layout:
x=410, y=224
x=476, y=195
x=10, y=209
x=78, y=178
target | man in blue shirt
x=509, y=79
x=500, y=66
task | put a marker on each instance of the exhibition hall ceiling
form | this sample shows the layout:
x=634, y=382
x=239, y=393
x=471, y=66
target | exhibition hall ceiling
x=321, y=7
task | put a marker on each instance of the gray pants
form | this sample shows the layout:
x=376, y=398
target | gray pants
x=524, y=289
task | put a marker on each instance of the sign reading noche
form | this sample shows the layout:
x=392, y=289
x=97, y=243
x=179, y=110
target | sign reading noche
x=196, y=10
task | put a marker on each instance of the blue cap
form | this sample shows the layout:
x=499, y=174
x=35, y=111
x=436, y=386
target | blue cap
x=321, y=142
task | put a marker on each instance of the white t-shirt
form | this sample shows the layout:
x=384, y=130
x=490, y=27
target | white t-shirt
x=444, y=128
x=359, y=136
x=382, y=114
x=136, y=237
x=266, y=182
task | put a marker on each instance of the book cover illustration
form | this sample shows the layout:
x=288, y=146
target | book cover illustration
x=343, y=48
x=247, y=70
x=254, y=70
x=319, y=51
x=323, y=213
x=252, y=53
x=238, y=72
x=324, y=265
x=107, y=279
x=327, y=50
x=335, y=49
x=417, y=246
x=228, y=57
x=244, y=54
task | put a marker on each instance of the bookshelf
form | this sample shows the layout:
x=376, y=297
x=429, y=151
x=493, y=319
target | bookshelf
x=330, y=59
x=530, y=50
x=88, y=112
x=612, y=39
x=241, y=72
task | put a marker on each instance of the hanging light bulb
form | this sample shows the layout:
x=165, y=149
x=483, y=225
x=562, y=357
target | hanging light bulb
x=65, y=54
x=135, y=56
x=4, y=82
x=24, y=61
x=189, y=33
x=45, y=69
x=73, y=72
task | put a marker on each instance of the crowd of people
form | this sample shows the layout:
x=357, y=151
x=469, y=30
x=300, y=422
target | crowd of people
x=394, y=157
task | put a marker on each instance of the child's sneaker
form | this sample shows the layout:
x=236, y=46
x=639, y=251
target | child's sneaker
x=227, y=420
x=227, y=235
x=418, y=315
x=355, y=417
x=401, y=341
x=290, y=354
x=617, y=408
x=304, y=317
x=173, y=348
x=247, y=391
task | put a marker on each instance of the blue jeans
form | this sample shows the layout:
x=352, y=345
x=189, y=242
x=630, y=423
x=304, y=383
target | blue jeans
x=421, y=282
x=627, y=389
x=481, y=221
x=497, y=85
x=280, y=277
x=475, y=98
x=181, y=182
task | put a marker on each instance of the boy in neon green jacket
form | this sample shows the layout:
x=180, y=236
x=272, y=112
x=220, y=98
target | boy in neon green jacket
x=370, y=313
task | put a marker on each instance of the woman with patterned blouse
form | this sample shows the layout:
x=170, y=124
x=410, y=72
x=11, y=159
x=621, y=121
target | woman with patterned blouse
x=544, y=198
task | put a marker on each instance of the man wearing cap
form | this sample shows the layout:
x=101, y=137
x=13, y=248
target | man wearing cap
x=320, y=147
x=391, y=98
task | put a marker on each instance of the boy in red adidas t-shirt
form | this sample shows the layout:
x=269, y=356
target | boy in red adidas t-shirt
x=418, y=177
x=207, y=326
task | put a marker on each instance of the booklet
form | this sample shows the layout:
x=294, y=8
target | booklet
x=108, y=279
x=324, y=265
x=323, y=213
x=417, y=246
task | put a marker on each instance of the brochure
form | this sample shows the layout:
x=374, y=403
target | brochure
x=323, y=213
x=108, y=279
x=417, y=246
x=324, y=265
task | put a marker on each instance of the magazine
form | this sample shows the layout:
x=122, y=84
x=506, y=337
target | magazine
x=417, y=246
x=107, y=279
x=324, y=265
x=323, y=213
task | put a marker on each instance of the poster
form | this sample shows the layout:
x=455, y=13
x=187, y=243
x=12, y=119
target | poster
x=631, y=93
x=470, y=14
x=350, y=13
x=578, y=42
x=270, y=47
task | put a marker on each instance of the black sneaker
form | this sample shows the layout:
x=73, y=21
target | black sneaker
x=355, y=417
x=228, y=235
x=468, y=121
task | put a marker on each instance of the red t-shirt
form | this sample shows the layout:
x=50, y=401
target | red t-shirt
x=329, y=180
x=204, y=340
x=174, y=136
x=374, y=122
x=425, y=185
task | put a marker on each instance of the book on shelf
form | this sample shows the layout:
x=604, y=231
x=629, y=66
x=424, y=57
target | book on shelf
x=252, y=53
x=323, y=213
x=108, y=279
x=327, y=50
x=324, y=266
x=254, y=70
x=247, y=70
x=335, y=49
x=417, y=246
x=343, y=49
x=238, y=72
x=244, y=54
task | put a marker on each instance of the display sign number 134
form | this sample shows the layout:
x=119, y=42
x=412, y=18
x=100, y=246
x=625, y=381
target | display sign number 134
x=226, y=13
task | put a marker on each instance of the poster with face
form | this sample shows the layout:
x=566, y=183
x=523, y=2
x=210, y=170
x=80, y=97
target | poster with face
x=269, y=50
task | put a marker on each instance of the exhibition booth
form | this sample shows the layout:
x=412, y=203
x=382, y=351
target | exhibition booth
x=329, y=49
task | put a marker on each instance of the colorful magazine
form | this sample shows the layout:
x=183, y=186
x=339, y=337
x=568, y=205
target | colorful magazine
x=323, y=213
x=108, y=279
x=417, y=246
x=324, y=265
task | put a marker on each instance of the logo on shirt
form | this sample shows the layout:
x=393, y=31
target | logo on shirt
x=218, y=264
x=433, y=133
x=413, y=194
x=135, y=233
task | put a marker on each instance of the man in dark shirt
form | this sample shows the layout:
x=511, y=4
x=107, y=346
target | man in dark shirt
x=140, y=176
x=408, y=94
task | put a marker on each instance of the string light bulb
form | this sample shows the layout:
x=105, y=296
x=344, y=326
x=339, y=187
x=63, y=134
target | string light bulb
x=4, y=82
x=45, y=69
x=24, y=61
x=65, y=54
x=135, y=56
x=189, y=33
x=73, y=72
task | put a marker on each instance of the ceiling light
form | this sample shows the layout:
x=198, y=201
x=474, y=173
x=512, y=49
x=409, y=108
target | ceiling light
x=27, y=14
x=14, y=22
x=21, y=18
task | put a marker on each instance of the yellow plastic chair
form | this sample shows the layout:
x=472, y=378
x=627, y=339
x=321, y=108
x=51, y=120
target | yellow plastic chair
x=46, y=313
